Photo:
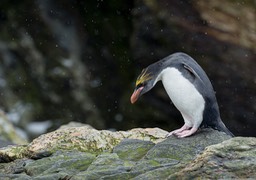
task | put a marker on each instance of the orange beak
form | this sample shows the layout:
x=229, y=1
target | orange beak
x=136, y=94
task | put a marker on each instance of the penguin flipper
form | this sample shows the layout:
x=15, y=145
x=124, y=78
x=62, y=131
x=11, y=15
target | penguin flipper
x=191, y=70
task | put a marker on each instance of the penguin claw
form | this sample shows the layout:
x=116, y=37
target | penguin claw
x=172, y=133
x=169, y=134
x=186, y=133
x=178, y=131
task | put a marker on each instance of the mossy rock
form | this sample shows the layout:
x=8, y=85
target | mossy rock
x=132, y=149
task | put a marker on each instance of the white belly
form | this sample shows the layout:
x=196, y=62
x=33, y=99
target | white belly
x=184, y=96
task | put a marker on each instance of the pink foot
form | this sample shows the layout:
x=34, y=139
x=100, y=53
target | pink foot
x=183, y=128
x=186, y=133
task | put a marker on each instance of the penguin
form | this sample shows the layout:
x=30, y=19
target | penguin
x=189, y=89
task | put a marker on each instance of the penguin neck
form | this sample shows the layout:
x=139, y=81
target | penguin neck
x=165, y=75
x=170, y=76
x=159, y=77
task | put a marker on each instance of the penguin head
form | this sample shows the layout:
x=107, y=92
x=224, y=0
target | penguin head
x=145, y=82
x=187, y=67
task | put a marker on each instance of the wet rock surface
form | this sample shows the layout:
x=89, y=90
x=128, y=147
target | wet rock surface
x=138, y=154
x=231, y=159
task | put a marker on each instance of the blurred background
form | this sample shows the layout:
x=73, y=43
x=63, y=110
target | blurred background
x=75, y=60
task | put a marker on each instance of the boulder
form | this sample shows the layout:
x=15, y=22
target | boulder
x=86, y=153
x=231, y=159
x=83, y=138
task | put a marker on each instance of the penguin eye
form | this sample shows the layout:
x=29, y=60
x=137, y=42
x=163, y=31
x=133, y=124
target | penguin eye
x=140, y=85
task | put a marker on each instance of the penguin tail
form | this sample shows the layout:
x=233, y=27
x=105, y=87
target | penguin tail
x=221, y=127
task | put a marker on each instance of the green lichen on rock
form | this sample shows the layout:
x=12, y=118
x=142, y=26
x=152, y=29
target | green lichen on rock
x=67, y=161
x=131, y=149
x=11, y=153
x=231, y=159
x=78, y=138
x=188, y=148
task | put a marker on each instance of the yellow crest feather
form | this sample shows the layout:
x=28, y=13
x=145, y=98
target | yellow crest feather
x=144, y=76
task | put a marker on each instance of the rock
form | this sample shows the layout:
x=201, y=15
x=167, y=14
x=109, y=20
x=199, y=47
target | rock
x=131, y=149
x=105, y=165
x=11, y=153
x=178, y=152
x=137, y=154
x=8, y=134
x=87, y=139
x=187, y=148
x=83, y=138
x=231, y=159
x=223, y=19
x=63, y=161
